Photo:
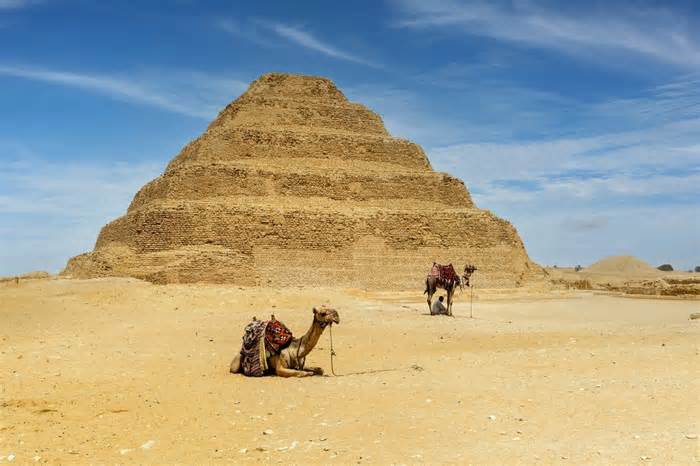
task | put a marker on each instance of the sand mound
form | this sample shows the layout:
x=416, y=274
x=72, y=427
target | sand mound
x=628, y=265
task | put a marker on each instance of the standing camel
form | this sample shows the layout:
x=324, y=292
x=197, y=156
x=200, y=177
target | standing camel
x=435, y=281
x=289, y=362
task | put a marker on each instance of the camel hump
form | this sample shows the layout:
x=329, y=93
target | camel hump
x=277, y=336
x=443, y=272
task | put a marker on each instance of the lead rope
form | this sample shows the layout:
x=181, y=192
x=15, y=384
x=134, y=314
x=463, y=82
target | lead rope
x=330, y=333
x=471, y=299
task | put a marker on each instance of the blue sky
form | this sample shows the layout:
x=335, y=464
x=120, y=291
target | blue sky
x=577, y=121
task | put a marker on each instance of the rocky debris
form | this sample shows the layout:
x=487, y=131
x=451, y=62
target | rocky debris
x=658, y=287
x=583, y=284
x=37, y=275
x=665, y=268
x=642, y=283
x=148, y=445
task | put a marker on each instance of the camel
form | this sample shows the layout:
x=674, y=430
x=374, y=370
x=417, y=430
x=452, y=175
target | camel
x=290, y=361
x=432, y=283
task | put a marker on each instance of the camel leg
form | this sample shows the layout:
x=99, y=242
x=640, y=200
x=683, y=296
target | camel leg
x=450, y=293
x=286, y=372
x=236, y=364
x=283, y=371
x=315, y=370
x=430, y=291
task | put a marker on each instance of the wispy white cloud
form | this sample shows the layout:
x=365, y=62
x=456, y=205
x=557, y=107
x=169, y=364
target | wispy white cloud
x=625, y=160
x=453, y=105
x=539, y=186
x=632, y=152
x=16, y=4
x=657, y=234
x=309, y=41
x=46, y=216
x=659, y=34
x=189, y=93
x=673, y=101
x=258, y=31
x=252, y=31
x=655, y=132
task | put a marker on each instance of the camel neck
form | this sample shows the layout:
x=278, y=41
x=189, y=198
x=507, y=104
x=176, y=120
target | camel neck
x=310, y=338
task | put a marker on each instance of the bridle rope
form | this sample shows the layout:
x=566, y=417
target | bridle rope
x=323, y=325
x=330, y=333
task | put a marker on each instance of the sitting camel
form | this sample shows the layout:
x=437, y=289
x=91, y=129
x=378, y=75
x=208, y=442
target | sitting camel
x=289, y=362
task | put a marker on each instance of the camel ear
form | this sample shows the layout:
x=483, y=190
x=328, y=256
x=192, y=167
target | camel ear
x=315, y=311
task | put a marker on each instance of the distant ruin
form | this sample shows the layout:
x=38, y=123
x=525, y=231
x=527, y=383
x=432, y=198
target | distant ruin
x=292, y=184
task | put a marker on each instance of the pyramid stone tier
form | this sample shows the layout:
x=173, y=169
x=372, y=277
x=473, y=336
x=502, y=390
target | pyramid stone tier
x=353, y=183
x=294, y=185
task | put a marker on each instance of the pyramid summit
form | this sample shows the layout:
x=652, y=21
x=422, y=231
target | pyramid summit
x=292, y=184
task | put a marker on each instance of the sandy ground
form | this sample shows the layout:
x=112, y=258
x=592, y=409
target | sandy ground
x=121, y=371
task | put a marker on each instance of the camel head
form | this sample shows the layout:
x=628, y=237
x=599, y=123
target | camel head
x=325, y=315
x=469, y=269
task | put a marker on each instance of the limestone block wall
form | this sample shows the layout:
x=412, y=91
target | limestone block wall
x=262, y=145
x=294, y=185
x=196, y=182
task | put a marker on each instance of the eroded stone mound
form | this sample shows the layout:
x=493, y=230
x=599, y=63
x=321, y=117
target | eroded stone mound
x=628, y=265
x=292, y=184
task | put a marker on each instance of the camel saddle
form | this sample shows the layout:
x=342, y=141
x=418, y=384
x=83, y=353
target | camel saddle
x=260, y=339
x=277, y=335
x=445, y=273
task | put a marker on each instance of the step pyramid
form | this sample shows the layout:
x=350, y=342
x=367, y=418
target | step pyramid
x=292, y=184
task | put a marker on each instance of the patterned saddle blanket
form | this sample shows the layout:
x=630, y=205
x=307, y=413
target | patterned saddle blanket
x=259, y=338
x=446, y=273
x=277, y=336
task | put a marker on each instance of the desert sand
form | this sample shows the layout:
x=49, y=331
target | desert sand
x=123, y=371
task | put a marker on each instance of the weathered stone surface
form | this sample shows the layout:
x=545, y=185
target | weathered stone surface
x=294, y=185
